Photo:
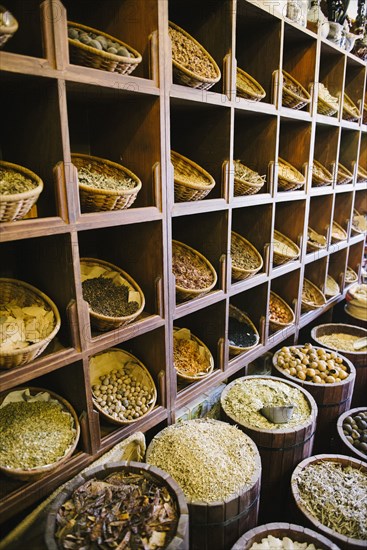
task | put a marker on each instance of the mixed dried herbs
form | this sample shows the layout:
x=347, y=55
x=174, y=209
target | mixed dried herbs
x=340, y=340
x=245, y=174
x=190, y=270
x=13, y=182
x=189, y=357
x=241, y=334
x=125, y=510
x=311, y=296
x=107, y=298
x=112, y=181
x=243, y=256
x=187, y=53
x=351, y=276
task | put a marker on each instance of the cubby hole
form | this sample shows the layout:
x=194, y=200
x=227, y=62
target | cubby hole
x=337, y=266
x=354, y=82
x=363, y=151
x=31, y=133
x=258, y=38
x=360, y=201
x=27, y=40
x=326, y=147
x=202, y=134
x=289, y=220
x=355, y=257
x=294, y=145
x=287, y=287
x=211, y=27
x=131, y=21
x=343, y=209
x=251, y=129
x=319, y=219
x=315, y=272
x=331, y=72
x=348, y=151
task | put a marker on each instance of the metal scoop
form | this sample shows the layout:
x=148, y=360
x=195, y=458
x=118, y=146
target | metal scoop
x=360, y=343
x=278, y=415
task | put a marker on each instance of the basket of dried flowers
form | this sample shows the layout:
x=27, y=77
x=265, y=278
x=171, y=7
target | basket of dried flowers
x=315, y=241
x=281, y=315
x=246, y=260
x=191, y=181
x=337, y=233
x=19, y=191
x=40, y=431
x=350, y=276
x=361, y=175
x=350, y=110
x=320, y=175
x=133, y=394
x=104, y=185
x=114, y=298
x=312, y=297
x=8, y=25
x=191, y=357
x=331, y=288
x=195, y=275
x=246, y=181
x=284, y=249
x=30, y=321
x=359, y=222
x=294, y=95
x=242, y=333
x=343, y=175
x=247, y=87
x=327, y=104
x=99, y=50
x=289, y=178
x=192, y=65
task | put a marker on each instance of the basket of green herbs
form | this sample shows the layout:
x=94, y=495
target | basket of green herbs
x=19, y=191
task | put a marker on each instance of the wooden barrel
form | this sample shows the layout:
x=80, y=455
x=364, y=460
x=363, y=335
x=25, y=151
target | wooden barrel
x=302, y=515
x=279, y=530
x=332, y=400
x=344, y=446
x=358, y=358
x=180, y=540
x=280, y=450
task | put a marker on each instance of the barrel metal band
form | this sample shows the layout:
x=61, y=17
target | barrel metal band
x=334, y=404
x=227, y=521
x=287, y=448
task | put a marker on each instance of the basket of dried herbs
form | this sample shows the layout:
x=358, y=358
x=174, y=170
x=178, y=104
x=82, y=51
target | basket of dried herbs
x=247, y=87
x=350, y=276
x=19, y=191
x=294, y=95
x=104, y=185
x=123, y=389
x=320, y=175
x=246, y=181
x=331, y=287
x=312, y=297
x=359, y=222
x=242, y=333
x=337, y=233
x=191, y=181
x=289, y=178
x=114, y=298
x=39, y=431
x=284, y=249
x=29, y=321
x=119, y=505
x=246, y=260
x=350, y=110
x=315, y=241
x=281, y=315
x=361, y=174
x=195, y=275
x=343, y=175
x=329, y=493
x=191, y=357
x=327, y=104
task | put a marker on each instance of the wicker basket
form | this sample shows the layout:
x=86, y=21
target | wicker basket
x=320, y=175
x=359, y=222
x=6, y=32
x=243, y=186
x=284, y=249
x=343, y=175
x=345, y=446
x=350, y=110
x=26, y=295
x=185, y=76
x=240, y=273
x=247, y=87
x=32, y=474
x=327, y=107
x=98, y=200
x=189, y=293
x=290, y=98
x=314, y=240
x=315, y=298
x=351, y=276
x=277, y=325
x=81, y=54
x=337, y=233
x=106, y=322
x=103, y=363
x=365, y=113
x=15, y=207
x=331, y=288
x=289, y=178
x=210, y=361
x=361, y=175
x=242, y=317
x=191, y=181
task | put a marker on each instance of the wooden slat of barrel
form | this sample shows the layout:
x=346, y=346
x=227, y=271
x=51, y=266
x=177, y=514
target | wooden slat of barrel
x=232, y=509
x=198, y=518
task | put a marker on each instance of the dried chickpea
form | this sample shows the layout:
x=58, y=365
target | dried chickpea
x=330, y=380
x=301, y=375
x=316, y=380
x=310, y=372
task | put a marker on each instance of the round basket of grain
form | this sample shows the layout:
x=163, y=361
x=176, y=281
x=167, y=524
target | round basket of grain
x=352, y=432
x=329, y=494
x=356, y=305
x=191, y=357
x=350, y=276
x=312, y=297
x=242, y=333
x=39, y=432
x=123, y=389
x=195, y=275
x=281, y=315
x=99, y=50
x=247, y=87
x=192, y=65
x=294, y=95
x=320, y=175
x=246, y=181
x=30, y=320
x=246, y=260
x=218, y=468
x=350, y=110
x=124, y=504
x=359, y=222
x=361, y=174
x=283, y=536
x=114, y=298
x=289, y=178
x=315, y=241
x=284, y=249
x=343, y=175
x=104, y=185
x=327, y=104
x=19, y=191
x=331, y=288
x=8, y=25
x=337, y=233
x=191, y=181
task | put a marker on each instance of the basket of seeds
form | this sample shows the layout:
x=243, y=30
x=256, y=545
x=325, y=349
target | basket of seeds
x=284, y=249
x=123, y=389
x=361, y=174
x=320, y=175
x=350, y=110
x=281, y=315
x=191, y=357
x=39, y=432
x=8, y=25
x=99, y=50
x=192, y=65
x=327, y=104
x=29, y=321
x=289, y=178
x=359, y=222
x=337, y=233
x=246, y=181
x=343, y=175
x=312, y=297
x=315, y=241
x=350, y=276
x=19, y=191
x=104, y=185
x=242, y=333
x=191, y=181
x=294, y=95
x=247, y=87
x=195, y=275
x=246, y=260
x=114, y=298
x=331, y=288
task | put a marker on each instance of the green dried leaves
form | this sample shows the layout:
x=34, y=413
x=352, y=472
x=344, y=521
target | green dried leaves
x=107, y=298
x=13, y=182
x=87, y=175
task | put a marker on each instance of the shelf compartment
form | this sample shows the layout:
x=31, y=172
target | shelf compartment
x=355, y=258
x=354, y=83
x=319, y=219
x=289, y=220
x=343, y=210
x=316, y=273
x=360, y=201
x=294, y=147
x=363, y=151
x=348, y=151
x=287, y=287
x=28, y=40
x=331, y=71
x=326, y=148
x=336, y=267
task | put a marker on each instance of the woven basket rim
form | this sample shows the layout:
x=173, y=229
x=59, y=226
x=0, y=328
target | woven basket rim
x=26, y=194
x=278, y=236
x=305, y=98
x=246, y=76
x=338, y=226
x=293, y=169
x=211, y=359
x=350, y=107
x=333, y=286
x=207, y=263
x=317, y=291
x=328, y=174
x=312, y=244
x=342, y=168
x=252, y=247
x=198, y=186
x=131, y=282
x=110, y=56
x=250, y=184
x=361, y=171
x=188, y=72
x=49, y=302
x=116, y=166
x=245, y=317
x=287, y=307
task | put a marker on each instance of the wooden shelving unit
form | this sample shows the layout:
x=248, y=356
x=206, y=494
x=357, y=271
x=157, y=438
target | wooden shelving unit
x=54, y=108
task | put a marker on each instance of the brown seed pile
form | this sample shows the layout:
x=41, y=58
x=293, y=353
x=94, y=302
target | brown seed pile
x=188, y=358
x=190, y=270
x=277, y=312
x=243, y=256
x=188, y=54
